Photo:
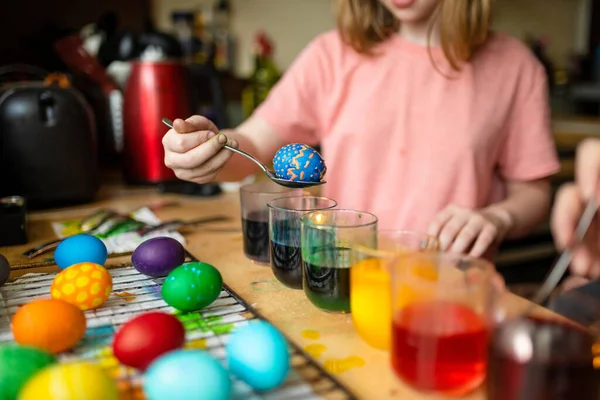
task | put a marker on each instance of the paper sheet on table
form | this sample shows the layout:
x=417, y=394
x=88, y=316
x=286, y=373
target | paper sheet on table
x=121, y=242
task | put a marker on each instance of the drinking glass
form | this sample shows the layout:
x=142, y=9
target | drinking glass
x=546, y=356
x=284, y=234
x=370, y=294
x=255, y=217
x=326, y=236
x=443, y=306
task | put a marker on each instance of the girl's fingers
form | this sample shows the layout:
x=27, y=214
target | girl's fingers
x=440, y=220
x=587, y=168
x=567, y=210
x=193, y=124
x=467, y=235
x=450, y=230
x=212, y=166
x=581, y=262
x=486, y=237
x=197, y=156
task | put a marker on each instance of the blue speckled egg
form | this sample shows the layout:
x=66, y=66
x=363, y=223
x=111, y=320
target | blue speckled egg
x=257, y=354
x=79, y=249
x=299, y=162
x=186, y=375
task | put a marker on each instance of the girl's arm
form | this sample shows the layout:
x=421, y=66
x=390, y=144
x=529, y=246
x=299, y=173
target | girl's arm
x=526, y=206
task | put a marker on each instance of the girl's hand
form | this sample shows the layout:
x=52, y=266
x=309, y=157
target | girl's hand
x=194, y=149
x=570, y=203
x=462, y=230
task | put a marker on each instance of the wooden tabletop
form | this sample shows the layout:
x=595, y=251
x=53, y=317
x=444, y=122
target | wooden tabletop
x=329, y=337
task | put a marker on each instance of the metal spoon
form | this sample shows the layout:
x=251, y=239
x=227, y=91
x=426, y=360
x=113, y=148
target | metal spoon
x=270, y=174
x=564, y=260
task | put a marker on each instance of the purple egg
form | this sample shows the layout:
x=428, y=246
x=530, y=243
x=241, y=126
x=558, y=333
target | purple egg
x=158, y=256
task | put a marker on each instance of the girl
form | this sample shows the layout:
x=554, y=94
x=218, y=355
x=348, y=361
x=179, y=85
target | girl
x=425, y=117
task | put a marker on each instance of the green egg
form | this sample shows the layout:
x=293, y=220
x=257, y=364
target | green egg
x=192, y=286
x=17, y=365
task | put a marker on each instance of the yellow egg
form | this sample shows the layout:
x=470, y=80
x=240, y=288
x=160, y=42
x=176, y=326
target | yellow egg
x=70, y=381
x=86, y=285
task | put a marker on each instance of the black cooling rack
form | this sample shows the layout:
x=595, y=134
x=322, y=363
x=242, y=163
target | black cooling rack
x=208, y=329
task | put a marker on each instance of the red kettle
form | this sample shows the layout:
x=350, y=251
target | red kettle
x=154, y=90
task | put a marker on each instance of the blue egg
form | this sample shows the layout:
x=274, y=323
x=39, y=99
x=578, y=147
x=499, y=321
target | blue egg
x=80, y=248
x=257, y=354
x=186, y=375
x=299, y=162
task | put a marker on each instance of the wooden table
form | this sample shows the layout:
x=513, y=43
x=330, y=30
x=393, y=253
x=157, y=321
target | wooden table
x=330, y=337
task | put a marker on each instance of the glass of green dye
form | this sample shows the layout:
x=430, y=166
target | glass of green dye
x=326, y=238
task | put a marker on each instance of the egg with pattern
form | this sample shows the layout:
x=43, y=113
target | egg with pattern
x=85, y=285
x=299, y=162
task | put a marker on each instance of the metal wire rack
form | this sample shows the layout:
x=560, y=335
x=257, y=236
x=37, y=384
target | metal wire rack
x=208, y=329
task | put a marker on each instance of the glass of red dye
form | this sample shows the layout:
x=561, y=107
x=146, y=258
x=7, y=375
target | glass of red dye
x=443, y=306
x=543, y=358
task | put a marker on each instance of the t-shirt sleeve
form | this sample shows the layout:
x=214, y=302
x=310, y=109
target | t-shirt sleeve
x=529, y=150
x=292, y=107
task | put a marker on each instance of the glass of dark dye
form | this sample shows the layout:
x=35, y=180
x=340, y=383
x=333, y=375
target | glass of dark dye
x=544, y=357
x=326, y=237
x=255, y=217
x=284, y=234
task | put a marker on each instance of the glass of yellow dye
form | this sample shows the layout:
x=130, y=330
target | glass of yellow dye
x=370, y=286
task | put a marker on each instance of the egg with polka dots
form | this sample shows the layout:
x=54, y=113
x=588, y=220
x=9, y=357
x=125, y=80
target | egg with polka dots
x=85, y=285
x=299, y=162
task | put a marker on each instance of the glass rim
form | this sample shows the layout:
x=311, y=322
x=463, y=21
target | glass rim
x=373, y=252
x=305, y=219
x=280, y=208
x=486, y=266
x=253, y=188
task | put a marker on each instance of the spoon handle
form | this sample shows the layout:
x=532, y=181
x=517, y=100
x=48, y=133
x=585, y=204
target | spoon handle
x=169, y=123
x=243, y=153
x=564, y=260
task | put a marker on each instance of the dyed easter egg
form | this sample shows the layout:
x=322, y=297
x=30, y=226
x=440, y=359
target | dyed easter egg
x=158, y=256
x=4, y=270
x=210, y=380
x=299, y=162
x=146, y=337
x=17, y=365
x=70, y=381
x=80, y=248
x=258, y=355
x=192, y=286
x=49, y=324
x=86, y=285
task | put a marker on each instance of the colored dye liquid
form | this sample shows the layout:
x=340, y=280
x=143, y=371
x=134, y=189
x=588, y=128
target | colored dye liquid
x=255, y=230
x=563, y=370
x=439, y=346
x=370, y=303
x=326, y=278
x=286, y=263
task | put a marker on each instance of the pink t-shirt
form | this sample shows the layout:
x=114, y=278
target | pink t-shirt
x=403, y=141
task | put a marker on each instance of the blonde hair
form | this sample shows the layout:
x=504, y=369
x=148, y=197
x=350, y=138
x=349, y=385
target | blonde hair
x=464, y=26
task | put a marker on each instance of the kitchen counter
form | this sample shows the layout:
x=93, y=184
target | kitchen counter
x=364, y=370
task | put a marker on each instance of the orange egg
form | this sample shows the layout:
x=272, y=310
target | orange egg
x=86, y=285
x=49, y=324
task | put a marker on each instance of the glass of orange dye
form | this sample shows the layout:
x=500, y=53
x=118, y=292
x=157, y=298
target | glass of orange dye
x=370, y=294
x=443, y=309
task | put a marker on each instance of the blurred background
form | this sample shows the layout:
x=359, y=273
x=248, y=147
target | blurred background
x=83, y=85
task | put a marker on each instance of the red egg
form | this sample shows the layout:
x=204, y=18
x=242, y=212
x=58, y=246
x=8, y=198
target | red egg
x=146, y=337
